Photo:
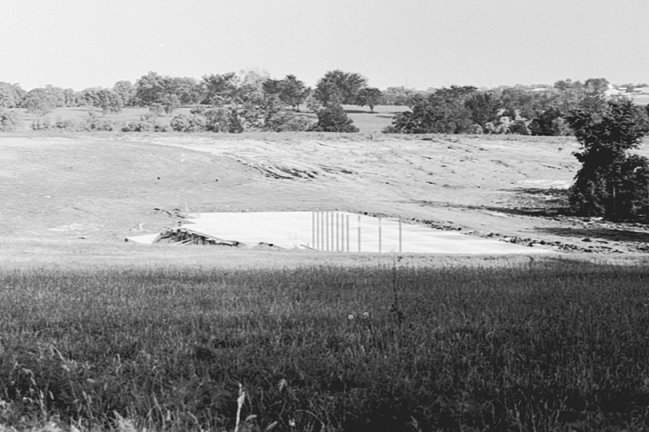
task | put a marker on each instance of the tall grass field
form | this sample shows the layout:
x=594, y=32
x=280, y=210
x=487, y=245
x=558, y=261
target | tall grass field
x=544, y=346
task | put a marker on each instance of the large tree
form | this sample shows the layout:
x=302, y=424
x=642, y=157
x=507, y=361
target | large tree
x=369, y=96
x=611, y=183
x=398, y=96
x=443, y=111
x=338, y=87
x=483, y=106
x=40, y=100
x=106, y=99
x=11, y=95
x=150, y=89
x=220, y=89
x=125, y=91
x=293, y=92
x=188, y=90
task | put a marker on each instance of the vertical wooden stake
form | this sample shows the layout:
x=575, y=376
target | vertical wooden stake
x=327, y=231
x=400, y=236
x=380, y=234
x=347, y=231
x=318, y=229
x=359, y=233
x=313, y=230
x=337, y=218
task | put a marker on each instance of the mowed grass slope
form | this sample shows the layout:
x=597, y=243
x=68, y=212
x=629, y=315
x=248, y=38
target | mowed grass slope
x=549, y=345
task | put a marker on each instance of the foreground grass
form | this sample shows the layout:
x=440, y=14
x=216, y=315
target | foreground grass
x=546, y=346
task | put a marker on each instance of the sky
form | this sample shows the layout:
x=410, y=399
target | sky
x=414, y=43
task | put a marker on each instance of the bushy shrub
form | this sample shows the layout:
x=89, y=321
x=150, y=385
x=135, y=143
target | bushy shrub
x=8, y=121
x=334, y=119
x=287, y=122
x=97, y=123
x=223, y=119
x=68, y=125
x=137, y=126
x=188, y=123
x=41, y=124
x=441, y=112
x=156, y=109
x=146, y=123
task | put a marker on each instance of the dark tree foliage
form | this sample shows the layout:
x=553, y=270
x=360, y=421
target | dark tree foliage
x=8, y=121
x=169, y=92
x=484, y=107
x=126, y=92
x=443, y=111
x=611, y=183
x=334, y=119
x=149, y=89
x=547, y=122
x=40, y=100
x=106, y=99
x=398, y=96
x=293, y=92
x=11, y=95
x=338, y=87
x=369, y=96
x=220, y=89
x=290, y=91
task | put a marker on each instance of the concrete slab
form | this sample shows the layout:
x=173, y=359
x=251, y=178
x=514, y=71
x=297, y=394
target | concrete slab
x=344, y=232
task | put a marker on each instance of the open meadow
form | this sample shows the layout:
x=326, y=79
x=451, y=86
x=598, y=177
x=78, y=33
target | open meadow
x=101, y=334
x=467, y=345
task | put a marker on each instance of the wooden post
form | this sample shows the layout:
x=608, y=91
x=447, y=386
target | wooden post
x=380, y=234
x=322, y=231
x=347, y=231
x=319, y=229
x=359, y=233
x=337, y=231
x=313, y=230
x=333, y=231
x=400, y=236
x=327, y=231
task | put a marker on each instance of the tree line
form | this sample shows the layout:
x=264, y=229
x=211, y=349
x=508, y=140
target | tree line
x=215, y=89
x=230, y=102
x=253, y=100
x=525, y=110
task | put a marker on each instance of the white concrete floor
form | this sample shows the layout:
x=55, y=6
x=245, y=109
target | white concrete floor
x=342, y=232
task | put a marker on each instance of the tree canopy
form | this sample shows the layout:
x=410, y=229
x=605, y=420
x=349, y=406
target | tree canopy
x=370, y=96
x=610, y=183
x=338, y=87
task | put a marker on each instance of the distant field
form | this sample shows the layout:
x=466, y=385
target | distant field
x=547, y=345
x=363, y=118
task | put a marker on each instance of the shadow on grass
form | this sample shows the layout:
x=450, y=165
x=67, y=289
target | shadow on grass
x=539, y=202
x=549, y=211
x=376, y=113
x=600, y=233
x=555, y=192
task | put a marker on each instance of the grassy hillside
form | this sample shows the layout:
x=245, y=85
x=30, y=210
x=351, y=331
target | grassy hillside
x=104, y=187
